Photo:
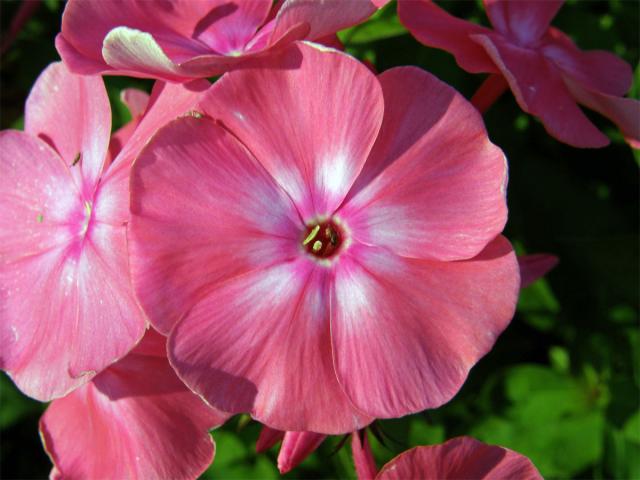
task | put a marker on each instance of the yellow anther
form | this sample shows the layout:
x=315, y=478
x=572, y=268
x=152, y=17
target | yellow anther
x=312, y=234
x=317, y=246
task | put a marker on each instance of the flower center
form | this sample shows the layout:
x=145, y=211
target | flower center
x=87, y=218
x=323, y=239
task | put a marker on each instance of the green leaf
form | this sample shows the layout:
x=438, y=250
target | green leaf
x=383, y=24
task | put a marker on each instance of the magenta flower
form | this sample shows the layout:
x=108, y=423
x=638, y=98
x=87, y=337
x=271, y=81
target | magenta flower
x=329, y=240
x=533, y=267
x=457, y=459
x=297, y=446
x=546, y=72
x=136, y=419
x=182, y=39
x=68, y=309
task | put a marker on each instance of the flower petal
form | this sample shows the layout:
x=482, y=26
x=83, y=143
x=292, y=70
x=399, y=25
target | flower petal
x=624, y=112
x=595, y=70
x=434, y=27
x=72, y=114
x=406, y=332
x=77, y=62
x=533, y=267
x=524, y=22
x=167, y=102
x=137, y=102
x=363, y=459
x=167, y=33
x=260, y=343
x=67, y=307
x=434, y=185
x=134, y=420
x=539, y=89
x=296, y=446
x=462, y=457
x=268, y=438
x=310, y=119
x=225, y=217
x=137, y=53
x=322, y=17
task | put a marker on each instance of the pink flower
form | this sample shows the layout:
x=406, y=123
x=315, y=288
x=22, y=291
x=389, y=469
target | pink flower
x=133, y=420
x=297, y=446
x=325, y=248
x=547, y=73
x=182, y=39
x=533, y=267
x=67, y=308
x=460, y=458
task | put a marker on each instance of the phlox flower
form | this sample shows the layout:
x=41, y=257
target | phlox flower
x=457, y=459
x=535, y=266
x=297, y=446
x=135, y=419
x=67, y=307
x=548, y=75
x=178, y=40
x=323, y=245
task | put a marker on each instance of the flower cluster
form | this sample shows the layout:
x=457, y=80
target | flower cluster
x=303, y=240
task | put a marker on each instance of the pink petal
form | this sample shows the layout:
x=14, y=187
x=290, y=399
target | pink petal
x=72, y=114
x=167, y=102
x=363, y=459
x=268, y=438
x=594, y=70
x=260, y=343
x=539, y=89
x=321, y=18
x=624, y=112
x=406, y=332
x=434, y=27
x=67, y=308
x=296, y=446
x=434, y=185
x=136, y=101
x=140, y=38
x=462, y=457
x=76, y=61
x=533, y=267
x=522, y=21
x=310, y=119
x=134, y=420
x=203, y=211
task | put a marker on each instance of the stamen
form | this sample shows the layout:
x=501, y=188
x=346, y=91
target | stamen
x=312, y=235
x=323, y=239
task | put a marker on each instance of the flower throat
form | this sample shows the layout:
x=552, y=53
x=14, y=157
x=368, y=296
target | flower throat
x=323, y=240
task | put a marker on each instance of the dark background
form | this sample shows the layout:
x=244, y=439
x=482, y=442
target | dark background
x=562, y=384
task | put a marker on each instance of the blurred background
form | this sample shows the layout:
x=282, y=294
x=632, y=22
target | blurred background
x=562, y=384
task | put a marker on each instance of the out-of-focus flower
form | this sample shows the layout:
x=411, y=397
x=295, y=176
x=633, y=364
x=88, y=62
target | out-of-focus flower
x=458, y=459
x=546, y=72
x=179, y=40
x=68, y=309
x=296, y=446
x=533, y=267
x=26, y=9
x=331, y=242
x=134, y=420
